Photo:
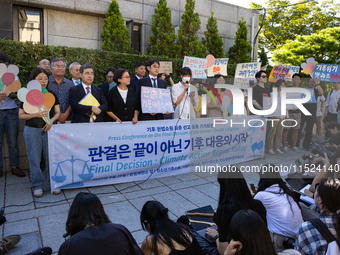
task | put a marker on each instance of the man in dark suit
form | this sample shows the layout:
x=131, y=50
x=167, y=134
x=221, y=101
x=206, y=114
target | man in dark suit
x=106, y=87
x=150, y=81
x=83, y=113
x=140, y=72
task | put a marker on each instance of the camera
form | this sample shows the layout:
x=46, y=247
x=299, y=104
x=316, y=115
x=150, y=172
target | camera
x=317, y=149
x=288, y=243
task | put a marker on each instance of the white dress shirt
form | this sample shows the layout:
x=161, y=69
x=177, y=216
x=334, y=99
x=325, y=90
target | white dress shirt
x=151, y=77
x=185, y=109
x=75, y=82
x=332, y=101
x=84, y=86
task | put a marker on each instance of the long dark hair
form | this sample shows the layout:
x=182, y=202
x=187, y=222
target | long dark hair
x=248, y=228
x=155, y=215
x=329, y=192
x=36, y=72
x=271, y=177
x=86, y=209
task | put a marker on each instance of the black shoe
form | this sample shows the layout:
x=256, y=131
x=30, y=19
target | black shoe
x=18, y=172
x=41, y=251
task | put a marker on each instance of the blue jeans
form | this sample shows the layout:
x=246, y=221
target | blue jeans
x=9, y=122
x=36, y=143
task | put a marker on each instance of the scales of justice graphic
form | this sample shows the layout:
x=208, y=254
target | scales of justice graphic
x=61, y=178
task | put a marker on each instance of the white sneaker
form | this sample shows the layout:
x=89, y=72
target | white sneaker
x=56, y=192
x=285, y=149
x=271, y=152
x=295, y=149
x=279, y=151
x=38, y=193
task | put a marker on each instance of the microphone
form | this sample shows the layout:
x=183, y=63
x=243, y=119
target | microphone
x=186, y=90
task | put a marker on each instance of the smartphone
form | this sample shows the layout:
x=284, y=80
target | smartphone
x=252, y=187
x=192, y=93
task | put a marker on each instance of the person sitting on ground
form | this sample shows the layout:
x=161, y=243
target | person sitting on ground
x=250, y=236
x=283, y=210
x=92, y=232
x=166, y=237
x=234, y=196
x=327, y=198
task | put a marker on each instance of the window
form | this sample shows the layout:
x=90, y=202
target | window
x=27, y=24
x=135, y=35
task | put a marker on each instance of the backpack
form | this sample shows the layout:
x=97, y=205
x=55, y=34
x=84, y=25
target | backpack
x=332, y=247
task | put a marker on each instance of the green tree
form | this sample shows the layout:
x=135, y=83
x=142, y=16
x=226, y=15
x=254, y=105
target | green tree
x=323, y=46
x=284, y=22
x=240, y=51
x=263, y=57
x=163, y=40
x=212, y=41
x=115, y=35
x=187, y=33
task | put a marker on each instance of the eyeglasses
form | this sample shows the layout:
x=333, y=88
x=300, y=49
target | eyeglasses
x=263, y=76
x=89, y=73
x=42, y=79
x=58, y=66
x=127, y=77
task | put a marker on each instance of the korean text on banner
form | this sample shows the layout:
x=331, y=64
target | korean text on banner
x=165, y=67
x=292, y=71
x=81, y=156
x=246, y=72
x=155, y=100
x=220, y=67
x=278, y=72
x=197, y=66
x=326, y=72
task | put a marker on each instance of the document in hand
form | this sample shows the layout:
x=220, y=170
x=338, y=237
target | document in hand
x=90, y=100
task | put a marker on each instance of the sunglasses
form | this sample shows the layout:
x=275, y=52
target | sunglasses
x=263, y=76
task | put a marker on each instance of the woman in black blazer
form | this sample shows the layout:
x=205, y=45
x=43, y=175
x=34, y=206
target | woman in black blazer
x=122, y=100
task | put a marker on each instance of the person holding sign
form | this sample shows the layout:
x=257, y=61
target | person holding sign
x=185, y=96
x=150, y=81
x=122, y=100
x=36, y=127
x=83, y=113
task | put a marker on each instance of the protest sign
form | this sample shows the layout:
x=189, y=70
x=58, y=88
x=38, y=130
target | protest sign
x=245, y=72
x=326, y=72
x=278, y=72
x=155, y=100
x=197, y=66
x=219, y=67
x=84, y=155
x=165, y=67
x=292, y=71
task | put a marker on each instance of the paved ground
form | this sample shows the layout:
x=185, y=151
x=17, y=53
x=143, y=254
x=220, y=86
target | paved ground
x=41, y=221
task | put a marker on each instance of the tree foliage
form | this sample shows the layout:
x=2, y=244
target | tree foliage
x=323, y=46
x=163, y=40
x=240, y=51
x=187, y=33
x=284, y=23
x=263, y=57
x=115, y=35
x=212, y=41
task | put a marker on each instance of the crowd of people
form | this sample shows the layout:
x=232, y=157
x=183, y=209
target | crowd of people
x=248, y=223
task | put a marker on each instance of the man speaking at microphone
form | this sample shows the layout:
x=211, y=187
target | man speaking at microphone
x=184, y=96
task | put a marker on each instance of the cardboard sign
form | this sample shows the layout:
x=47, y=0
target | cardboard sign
x=292, y=71
x=246, y=72
x=219, y=67
x=155, y=100
x=278, y=72
x=165, y=67
x=197, y=66
x=326, y=72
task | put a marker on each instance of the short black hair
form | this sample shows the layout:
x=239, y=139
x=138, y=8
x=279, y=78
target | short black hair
x=152, y=61
x=258, y=74
x=36, y=72
x=4, y=58
x=333, y=125
x=85, y=66
x=118, y=74
x=138, y=64
x=328, y=119
x=110, y=69
x=55, y=60
x=279, y=82
x=186, y=71
x=296, y=74
x=216, y=76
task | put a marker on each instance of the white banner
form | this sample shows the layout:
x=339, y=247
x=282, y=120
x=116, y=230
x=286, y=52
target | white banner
x=84, y=154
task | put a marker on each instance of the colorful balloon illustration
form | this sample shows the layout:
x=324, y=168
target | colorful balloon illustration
x=210, y=60
x=8, y=84
x=309, y=66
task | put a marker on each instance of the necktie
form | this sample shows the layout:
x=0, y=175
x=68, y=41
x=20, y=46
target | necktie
x=154, y=82
x=77, y=82
x=87, y=90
